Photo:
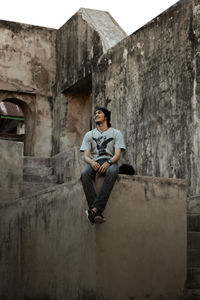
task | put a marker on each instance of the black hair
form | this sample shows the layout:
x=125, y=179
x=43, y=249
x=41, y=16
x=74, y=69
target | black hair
x=106, y=112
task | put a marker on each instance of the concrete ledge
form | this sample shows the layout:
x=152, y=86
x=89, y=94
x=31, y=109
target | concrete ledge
x=160, y=180
x=139, y=251
x=47, y=247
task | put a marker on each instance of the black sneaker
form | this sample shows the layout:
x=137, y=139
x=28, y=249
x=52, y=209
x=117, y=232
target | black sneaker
x=90, y=215
x=99, y=218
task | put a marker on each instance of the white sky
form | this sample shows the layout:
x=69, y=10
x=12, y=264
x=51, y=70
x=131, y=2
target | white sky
x=130, y=14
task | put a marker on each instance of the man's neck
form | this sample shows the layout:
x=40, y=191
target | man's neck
x=102, y=126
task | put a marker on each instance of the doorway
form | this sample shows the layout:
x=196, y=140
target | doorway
x=16, y=123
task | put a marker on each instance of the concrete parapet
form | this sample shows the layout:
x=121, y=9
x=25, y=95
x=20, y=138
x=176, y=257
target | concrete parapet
x=11, y=166
x=141, y=250
x=55, y=253
x=67, y=165
x=47, y=247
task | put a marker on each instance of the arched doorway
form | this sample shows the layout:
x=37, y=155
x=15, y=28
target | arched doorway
x=16, y=122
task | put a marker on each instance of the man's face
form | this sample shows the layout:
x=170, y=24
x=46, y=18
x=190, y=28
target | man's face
x=99, y=116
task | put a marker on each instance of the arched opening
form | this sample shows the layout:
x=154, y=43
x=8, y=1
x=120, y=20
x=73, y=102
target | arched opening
x=16, y=122
x=12, y=124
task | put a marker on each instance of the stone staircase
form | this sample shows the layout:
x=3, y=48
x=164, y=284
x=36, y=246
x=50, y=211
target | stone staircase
x=193, y=270
x=37, y=175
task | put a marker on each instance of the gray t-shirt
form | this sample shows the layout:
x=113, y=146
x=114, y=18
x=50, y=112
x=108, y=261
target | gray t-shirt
x=102, y=144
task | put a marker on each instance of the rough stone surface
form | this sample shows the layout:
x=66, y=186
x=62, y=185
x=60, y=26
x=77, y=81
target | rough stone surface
x=193, y=212
x=150, y=82
x=193, y=262
x=27, y=57
x=76, y=121
x=193, y=205
x=193, y=276
x=47, y=247
x=80, y=43
x=103, y=23
x=141, y=249
x=37, y=175
x=193, y=265
x=50, y=251
x=28, y=70
x=43, y=129
x=11, y=166
x=194, y=240
x=67, y=165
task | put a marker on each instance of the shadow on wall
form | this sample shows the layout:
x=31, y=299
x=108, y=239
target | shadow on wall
x=78, y=113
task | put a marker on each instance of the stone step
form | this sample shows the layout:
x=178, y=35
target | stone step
x=193, y=205
x=40, y=178
x=193, y=256
x=193, y=278
x=29, y=188
x=36, y=162
x=193, y=240
x=193, y=222
x=192, y=294
x=38, y=171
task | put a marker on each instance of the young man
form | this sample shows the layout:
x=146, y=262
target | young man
x=102, y=148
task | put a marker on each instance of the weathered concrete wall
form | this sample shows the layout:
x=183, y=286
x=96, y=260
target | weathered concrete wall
x=43, y=129
x=47, y=248
x=28, y=70
x=141, y=249
x=72, y=118
x=50, y=251
x=67, y=165
x=80, y=43
x=27, y=57
x=150, y=81
x=76, y=119
x=11, y=166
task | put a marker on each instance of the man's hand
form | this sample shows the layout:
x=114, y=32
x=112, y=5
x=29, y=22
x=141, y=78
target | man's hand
x=104, y=167
x=95, y=165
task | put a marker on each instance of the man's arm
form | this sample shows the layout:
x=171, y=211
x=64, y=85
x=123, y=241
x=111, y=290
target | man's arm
x=116, y=156
x=114, y=159
x=90, y=161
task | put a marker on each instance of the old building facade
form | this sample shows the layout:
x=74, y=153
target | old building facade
x=150, y=82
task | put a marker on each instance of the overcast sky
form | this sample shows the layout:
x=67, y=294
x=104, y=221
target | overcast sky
x=130, y=14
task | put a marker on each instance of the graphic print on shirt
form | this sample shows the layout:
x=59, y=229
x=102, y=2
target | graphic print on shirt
x=102, y=143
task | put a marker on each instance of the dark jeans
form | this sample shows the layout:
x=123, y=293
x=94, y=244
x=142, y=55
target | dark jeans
x=88, y=175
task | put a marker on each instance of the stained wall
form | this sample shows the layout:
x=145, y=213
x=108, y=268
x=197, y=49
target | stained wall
x=150, y=82
x=47, y=247
x=49, y=250
x=28, y=67
x=141, y=249
x=81, y=41
x=11, y=166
